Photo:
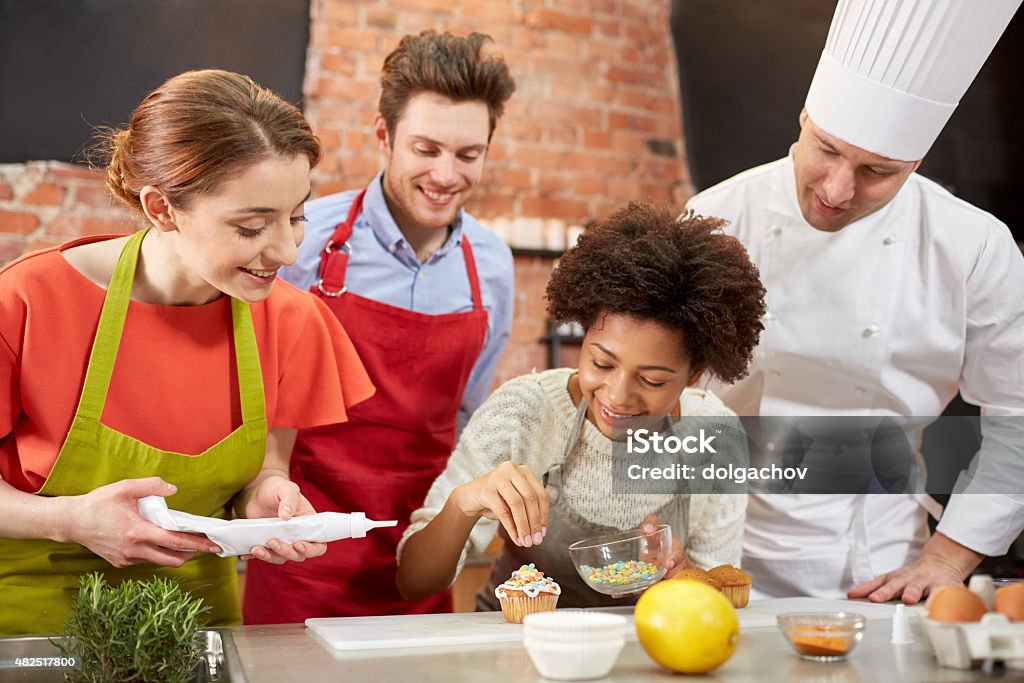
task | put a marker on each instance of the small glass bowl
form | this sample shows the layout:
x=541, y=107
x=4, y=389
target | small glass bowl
x=822, y=636
x=624, y=563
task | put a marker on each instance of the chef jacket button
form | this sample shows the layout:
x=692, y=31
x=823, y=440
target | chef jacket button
x=392, y=248
x=870, y=331
x=770, y=446
x=889, y=239
x=776, y=230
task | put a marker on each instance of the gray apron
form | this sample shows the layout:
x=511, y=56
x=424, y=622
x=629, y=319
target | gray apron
x=565, y=527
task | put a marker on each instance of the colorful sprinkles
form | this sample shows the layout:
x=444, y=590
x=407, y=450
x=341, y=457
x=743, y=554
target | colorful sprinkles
x=526, y=575
x=530, y=581
x=620, y=573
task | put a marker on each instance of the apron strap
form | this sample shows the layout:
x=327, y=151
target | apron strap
x=474, y=280
x=552, y=479
x=335, y=255
x=577, y=427
x=247, y=360
x=108, y=330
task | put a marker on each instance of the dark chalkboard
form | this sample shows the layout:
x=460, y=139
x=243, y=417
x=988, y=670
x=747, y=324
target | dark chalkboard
x=744, y=70
x=67, y=66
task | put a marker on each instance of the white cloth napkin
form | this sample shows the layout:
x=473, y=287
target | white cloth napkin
x=238, y=536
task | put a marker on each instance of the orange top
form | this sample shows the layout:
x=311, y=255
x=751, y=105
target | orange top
x=174, y=384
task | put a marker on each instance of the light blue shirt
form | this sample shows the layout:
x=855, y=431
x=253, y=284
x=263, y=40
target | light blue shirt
x=384, y=267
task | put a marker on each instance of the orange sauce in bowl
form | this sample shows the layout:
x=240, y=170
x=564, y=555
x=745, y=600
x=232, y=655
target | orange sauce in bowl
x=823, y=645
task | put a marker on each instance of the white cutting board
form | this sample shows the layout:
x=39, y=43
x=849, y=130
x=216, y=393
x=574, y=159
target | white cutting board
x=416, y=630
x=763, y=612
x=357, y=634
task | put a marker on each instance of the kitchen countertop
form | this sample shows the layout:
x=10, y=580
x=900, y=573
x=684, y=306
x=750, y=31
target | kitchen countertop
x=286, y=653
x=291, y=653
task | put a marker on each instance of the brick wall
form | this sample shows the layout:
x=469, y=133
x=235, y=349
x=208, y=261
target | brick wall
x=43, y=203
x=594, y=123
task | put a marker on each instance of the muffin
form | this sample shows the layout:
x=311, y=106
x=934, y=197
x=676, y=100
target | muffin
x=698, y=574
x=735, y=584
x=527, y=591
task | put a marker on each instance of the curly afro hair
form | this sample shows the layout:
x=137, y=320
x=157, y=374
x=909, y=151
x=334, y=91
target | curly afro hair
x=682, y=273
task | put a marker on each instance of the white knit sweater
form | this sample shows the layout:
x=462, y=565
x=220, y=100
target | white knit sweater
x=528, y=420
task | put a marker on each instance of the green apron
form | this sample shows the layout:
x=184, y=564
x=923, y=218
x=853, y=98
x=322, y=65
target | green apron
x=39, y=578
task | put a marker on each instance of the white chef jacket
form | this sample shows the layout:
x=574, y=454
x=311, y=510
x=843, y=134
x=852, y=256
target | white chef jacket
x=888, y=316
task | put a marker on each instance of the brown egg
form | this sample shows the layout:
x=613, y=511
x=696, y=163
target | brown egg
x=955, y=604
x=1010, y=601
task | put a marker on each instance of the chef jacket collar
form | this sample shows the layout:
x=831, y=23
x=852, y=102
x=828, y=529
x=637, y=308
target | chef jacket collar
x=785, y=202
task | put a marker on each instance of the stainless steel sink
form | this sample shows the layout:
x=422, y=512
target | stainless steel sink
x=37, y=658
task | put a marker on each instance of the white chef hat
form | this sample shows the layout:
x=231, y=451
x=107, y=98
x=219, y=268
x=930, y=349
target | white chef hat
x=893, y=71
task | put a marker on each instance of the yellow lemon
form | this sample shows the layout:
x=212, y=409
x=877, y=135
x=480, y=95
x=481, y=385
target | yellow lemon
x=686, y=626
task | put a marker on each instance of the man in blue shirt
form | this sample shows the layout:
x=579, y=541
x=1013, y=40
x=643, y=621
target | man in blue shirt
x=426, y=294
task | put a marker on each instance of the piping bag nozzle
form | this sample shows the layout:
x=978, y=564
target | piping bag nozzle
x=360, y=524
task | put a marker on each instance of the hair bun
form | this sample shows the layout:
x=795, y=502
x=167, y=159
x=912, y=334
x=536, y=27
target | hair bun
x=118, y=143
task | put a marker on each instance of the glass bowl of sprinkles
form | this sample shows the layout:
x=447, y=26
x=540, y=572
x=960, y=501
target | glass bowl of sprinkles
x=624, y=563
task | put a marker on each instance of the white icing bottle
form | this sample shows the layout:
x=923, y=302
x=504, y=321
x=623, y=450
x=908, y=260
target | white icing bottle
x=238, y=536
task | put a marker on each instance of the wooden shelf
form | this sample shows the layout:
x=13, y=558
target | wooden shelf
x=539, y=253
x=555, y=341
x=561, y=339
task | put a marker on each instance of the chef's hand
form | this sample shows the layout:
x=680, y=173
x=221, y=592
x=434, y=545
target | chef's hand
x=106, y=521
x=511, y=494
x=677, y=561
x=277, y=496
x=942, y=562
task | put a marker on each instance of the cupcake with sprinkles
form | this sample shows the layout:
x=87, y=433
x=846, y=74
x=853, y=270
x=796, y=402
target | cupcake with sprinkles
x=527, y=591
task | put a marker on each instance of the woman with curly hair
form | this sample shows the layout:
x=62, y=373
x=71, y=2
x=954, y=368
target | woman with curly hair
x=663, y=301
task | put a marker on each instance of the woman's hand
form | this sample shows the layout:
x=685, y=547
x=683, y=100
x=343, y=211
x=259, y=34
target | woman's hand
x=276, y=496
x=511, y=494
x=678, y=560
x=106, y=521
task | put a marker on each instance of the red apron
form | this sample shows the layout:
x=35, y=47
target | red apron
x=384, y=459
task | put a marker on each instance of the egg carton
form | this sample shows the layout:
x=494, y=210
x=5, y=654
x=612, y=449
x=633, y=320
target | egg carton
x=968, y=646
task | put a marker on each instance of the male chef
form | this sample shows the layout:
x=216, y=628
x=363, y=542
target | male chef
x=886, y=294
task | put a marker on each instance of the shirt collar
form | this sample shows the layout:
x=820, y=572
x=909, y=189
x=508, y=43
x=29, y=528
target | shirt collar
x=386, y=230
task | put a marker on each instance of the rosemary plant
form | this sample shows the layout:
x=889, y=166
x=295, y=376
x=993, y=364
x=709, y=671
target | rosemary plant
x=137, y=631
